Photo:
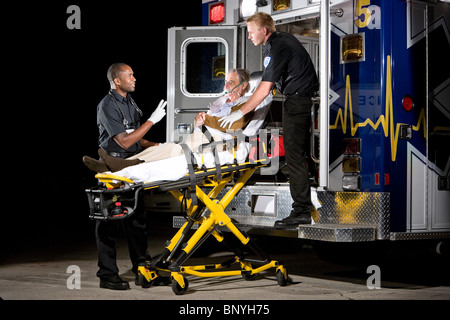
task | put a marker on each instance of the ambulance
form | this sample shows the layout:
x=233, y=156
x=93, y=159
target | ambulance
x=380, y=125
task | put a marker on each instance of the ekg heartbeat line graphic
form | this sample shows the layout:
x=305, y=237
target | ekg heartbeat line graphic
x=386, y=120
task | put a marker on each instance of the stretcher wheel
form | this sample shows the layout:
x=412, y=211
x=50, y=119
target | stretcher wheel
x=177, y=289
x=248, y=276
x=282, y=278
x=144, y=282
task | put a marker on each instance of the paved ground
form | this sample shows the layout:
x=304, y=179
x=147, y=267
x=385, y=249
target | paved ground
x=407, y=272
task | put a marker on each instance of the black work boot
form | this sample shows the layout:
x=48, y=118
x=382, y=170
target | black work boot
x=114, y=282
x=293, y=221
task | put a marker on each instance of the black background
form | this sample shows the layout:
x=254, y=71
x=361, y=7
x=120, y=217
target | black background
x=53, y=79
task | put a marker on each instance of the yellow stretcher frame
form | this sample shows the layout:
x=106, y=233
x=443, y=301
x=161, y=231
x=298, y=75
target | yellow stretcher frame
x=209, y=215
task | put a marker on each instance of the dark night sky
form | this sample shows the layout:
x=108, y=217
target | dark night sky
x=56, y=78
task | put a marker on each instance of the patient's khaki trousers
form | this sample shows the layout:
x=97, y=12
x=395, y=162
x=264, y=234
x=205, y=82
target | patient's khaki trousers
x=170, y=149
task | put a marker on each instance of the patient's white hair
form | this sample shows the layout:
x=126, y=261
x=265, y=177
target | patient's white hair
x=243, y=75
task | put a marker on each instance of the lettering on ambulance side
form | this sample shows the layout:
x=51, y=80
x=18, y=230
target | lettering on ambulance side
x=369, y=16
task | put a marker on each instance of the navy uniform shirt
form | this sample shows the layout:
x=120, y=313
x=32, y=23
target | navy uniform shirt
x=287, y=63
x=111, y=112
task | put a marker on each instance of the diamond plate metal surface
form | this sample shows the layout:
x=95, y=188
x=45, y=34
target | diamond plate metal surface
x=357, y=208
x=243, y=208
x=178, y=222
x=420, y=235
x=344, y=216
x=337, y=232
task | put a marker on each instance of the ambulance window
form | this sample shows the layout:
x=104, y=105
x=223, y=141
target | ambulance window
x=205, y=64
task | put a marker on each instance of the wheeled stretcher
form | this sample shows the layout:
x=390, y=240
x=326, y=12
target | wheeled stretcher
x=117, y=198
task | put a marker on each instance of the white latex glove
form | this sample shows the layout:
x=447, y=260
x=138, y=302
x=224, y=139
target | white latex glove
x=159, y=112
x=230, y=119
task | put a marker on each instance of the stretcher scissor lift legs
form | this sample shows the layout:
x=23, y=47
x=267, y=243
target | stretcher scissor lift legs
x=209, y=215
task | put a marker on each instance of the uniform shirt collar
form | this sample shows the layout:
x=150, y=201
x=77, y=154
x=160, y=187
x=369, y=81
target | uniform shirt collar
x=271, y=37
x=119, y=97
x=268, y=44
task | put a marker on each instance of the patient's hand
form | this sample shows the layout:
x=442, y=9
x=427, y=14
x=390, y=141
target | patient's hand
x=200, y=119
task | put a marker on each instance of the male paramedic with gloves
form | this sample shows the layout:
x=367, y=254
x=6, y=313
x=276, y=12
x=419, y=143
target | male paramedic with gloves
x=121, y=135
x=288, y=65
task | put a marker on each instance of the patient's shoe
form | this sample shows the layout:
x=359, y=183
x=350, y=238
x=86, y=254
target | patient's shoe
x=95, y=165
x=116, y=164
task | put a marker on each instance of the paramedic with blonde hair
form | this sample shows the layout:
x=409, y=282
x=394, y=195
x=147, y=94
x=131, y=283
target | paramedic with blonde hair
x=289, y=67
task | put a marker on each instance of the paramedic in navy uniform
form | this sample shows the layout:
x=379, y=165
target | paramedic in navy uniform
x=121, y=135
x=289, y=67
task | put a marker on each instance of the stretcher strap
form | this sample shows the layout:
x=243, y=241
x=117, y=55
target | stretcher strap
x=209, y=137
x=213, y=145
x=191, y=162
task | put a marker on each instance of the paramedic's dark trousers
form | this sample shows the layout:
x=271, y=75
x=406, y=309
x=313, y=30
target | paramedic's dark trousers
x=296, y=134
x=106, y=232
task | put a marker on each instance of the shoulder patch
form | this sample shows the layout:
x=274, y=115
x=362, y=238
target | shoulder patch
x=266, y=61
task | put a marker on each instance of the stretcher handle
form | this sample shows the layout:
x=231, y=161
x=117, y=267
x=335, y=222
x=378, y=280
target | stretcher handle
x=106, y=177
x=129, y=211
x=100, y=204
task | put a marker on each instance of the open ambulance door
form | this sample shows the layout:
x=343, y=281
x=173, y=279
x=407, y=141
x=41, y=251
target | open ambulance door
x=198, y=60
x=428, y=165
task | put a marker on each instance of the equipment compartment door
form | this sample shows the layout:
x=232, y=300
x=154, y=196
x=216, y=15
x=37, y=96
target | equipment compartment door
x=198, y=60
x=428, y=164
x=438, y=115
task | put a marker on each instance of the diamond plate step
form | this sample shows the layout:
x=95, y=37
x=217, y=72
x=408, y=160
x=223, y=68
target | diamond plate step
x=337, y=232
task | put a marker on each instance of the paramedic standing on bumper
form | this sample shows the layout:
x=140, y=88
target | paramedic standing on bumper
x=121, y=135
x=288, y=65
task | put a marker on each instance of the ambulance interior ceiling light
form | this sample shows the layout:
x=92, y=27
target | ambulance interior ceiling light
x=305, y=28
x=279, y=5
x=248, y=8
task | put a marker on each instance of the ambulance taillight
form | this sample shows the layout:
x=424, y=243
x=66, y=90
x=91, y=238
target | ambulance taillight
x=351, y=164
x=407, y=103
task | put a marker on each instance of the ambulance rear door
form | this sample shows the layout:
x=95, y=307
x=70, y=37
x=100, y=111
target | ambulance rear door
x=197, y=62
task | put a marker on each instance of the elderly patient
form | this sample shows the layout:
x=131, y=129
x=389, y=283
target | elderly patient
x=236, y=85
